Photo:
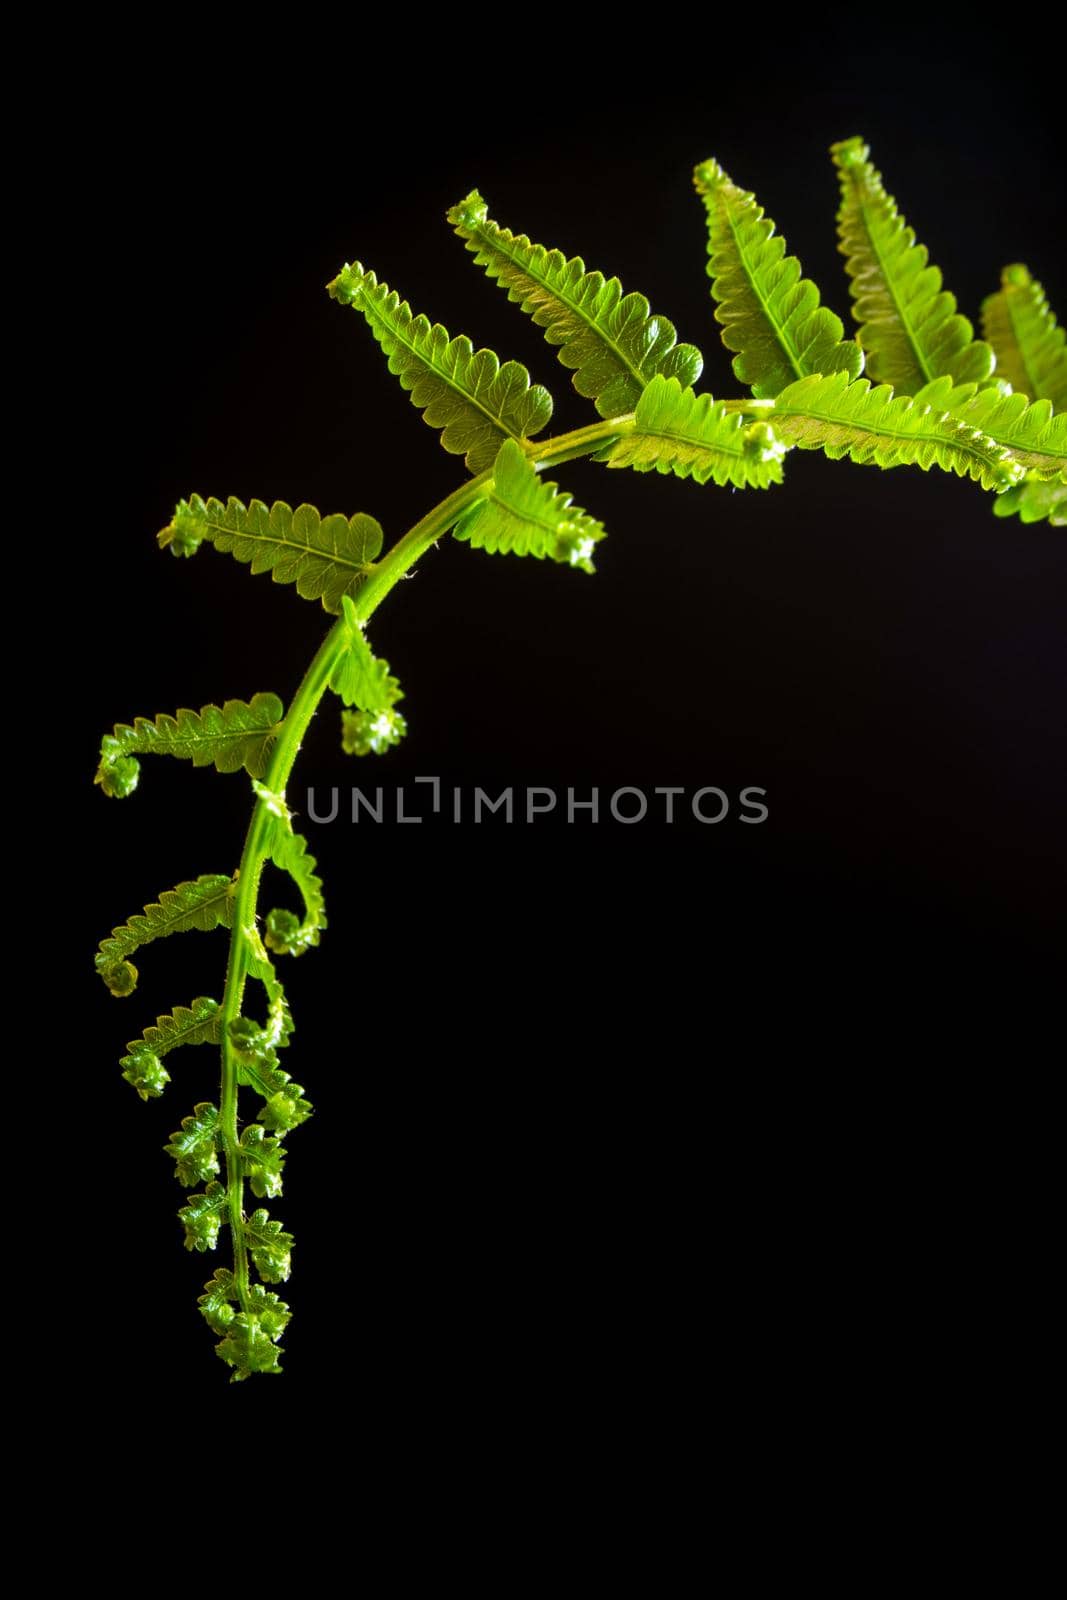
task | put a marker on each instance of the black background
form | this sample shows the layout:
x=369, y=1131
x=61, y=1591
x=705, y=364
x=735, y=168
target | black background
x=574, y=1084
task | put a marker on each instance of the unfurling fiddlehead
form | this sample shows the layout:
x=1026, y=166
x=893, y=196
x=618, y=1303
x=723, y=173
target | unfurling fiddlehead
x=913, y=387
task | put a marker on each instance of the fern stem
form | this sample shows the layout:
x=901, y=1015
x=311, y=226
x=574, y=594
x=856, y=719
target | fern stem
x=244, y=917
x=582, y=442
x=748, y=406
x=382, y=577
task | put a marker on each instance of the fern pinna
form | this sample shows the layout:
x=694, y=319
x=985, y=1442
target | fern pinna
x=913, y=386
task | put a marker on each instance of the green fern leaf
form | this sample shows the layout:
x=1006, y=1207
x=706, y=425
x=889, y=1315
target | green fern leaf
x=909, y=326
x=195, y=1146
x=262, y=1159
x=221, y=1295
x=256, y=1048
x=769, y=313
x=249, y=1345
x=249, y=1342
x=231, y=736
x=285, y=934
x=203, y=1216
x=851, y=419
x=257, y=1043
x=146, y=1073
x=1036, y=438
x=474, y=400
x=611, y=340
x=694, y=436
x=1035, y=500
x=217, y=1301
x=204, y=903
x=325, y=557
x=270, y=1247
x=143, y=1066
x=524, y=516
x=279, y=1025
x=363, y=680
x=1031, y=349
x=286, y=1107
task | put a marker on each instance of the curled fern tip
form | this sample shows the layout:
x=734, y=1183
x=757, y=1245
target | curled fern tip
x=708, y=176
x=117, y=774
x=347, y=284
x=850, y=152
x=121, y=978
x=470, y=212
x=365, y=733
x=184, y=534
x=147, y=1074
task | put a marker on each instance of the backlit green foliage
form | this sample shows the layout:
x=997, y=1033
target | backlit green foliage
x=1030, y=347
x=233, y=736
x=325, y=557
x=476, y=402
x=523, y=515
x=769, y=313
x=611, y=341
x=696, y=437
x=202, y=904
x=876, y=425
x=363, y=681
x=909, y=325
x=915, y=388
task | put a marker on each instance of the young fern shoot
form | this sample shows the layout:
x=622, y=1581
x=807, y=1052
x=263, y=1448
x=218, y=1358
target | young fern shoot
x=990, y=409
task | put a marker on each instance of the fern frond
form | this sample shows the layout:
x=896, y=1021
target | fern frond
x=286, y=1107
x=909, y=325
x=851, y=419
x=195, y=1146
x=1035, y=500
x=218, y=1299
x=474, y=400
x=231, y=736
x=249, y=1338
x=363, y=680
x=262, y=1160
x=1031, y=349
x=285, y=934
x=256, y=1047
x=270, y=1247
x=143, y=1066
x=325, y=557
x=249, y=1345
x=524, y=516
x=694, y=436
x=203, y=903
x=769, y=314
x=203, y=1216
x=1035, y=436
x=611, y=341
x=279, y=1017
